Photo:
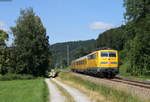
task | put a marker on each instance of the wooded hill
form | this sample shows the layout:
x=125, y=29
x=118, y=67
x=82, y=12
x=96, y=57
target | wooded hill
x=76, y=50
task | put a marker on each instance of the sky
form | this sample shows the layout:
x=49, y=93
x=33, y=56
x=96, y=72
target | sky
x=67, y=20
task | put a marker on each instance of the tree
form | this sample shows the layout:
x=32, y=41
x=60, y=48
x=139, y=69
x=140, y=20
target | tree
x=113, y=38
x=138, y=54
x=64, y=63
x=138, y=48
x=31, y=44
x=136, y=9
x=81, y=52
x=3, y=38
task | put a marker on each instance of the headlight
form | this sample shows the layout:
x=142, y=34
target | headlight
x=108, y=62
x=113, y=62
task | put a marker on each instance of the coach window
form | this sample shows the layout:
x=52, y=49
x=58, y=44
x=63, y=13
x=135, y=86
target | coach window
x=81, y=62
x=104, y=54
x=94, y=56
x=89, y=57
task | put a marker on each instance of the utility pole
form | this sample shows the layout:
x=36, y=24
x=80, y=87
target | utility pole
x=68, y=55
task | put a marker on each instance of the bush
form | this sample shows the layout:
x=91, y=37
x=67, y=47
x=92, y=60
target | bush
x=15, y=77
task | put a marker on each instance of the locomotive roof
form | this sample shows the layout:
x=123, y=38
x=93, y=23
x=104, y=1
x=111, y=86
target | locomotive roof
x=81, y=58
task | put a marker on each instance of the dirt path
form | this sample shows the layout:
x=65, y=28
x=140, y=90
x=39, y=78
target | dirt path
x=77, y=95
x=55, y=95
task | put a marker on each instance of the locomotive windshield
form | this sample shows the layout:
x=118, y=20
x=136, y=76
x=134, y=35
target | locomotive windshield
x=112, y=54
x=108, y=54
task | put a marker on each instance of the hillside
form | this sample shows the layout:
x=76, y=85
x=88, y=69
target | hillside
x=59, y=51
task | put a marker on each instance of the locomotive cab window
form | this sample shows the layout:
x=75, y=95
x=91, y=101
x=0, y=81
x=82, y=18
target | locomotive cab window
x=112, y=54
x=104, y=54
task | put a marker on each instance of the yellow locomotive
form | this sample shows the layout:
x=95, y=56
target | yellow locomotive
x=103, y=63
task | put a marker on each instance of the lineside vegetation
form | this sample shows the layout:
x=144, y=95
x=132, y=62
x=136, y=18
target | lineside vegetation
x=108, y=93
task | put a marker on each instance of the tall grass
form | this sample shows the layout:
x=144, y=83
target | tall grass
x=23, y=91
x=109, y=93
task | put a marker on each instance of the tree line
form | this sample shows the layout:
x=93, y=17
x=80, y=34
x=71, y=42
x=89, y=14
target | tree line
x=30, y=52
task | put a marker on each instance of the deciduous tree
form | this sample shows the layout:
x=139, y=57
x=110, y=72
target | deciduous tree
x=31, y=44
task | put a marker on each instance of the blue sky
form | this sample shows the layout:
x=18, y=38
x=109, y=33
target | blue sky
x=67, y=20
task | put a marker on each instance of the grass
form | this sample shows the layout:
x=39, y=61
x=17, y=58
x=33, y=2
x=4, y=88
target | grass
x=110, y=94
x=23, y=91
x=64, y=92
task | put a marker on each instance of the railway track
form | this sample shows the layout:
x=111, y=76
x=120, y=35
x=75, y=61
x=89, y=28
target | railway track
x=133, y=82
x=139, y=83
x=134, y=87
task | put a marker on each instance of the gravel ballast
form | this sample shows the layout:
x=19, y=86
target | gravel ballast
x=140, y=92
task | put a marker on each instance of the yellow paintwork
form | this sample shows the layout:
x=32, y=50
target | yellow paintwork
x=96, y=61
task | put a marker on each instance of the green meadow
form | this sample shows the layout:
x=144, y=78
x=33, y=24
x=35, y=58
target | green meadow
x=23, y=91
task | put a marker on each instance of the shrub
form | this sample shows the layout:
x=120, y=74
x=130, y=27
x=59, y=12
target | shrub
x=15, y=77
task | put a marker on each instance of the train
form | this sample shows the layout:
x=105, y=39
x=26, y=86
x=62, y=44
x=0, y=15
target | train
x=101, y=63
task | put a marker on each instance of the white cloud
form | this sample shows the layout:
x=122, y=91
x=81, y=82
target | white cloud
x=100, y=26
x=4, y=26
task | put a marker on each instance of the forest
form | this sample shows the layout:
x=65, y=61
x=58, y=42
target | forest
x=32, y=54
